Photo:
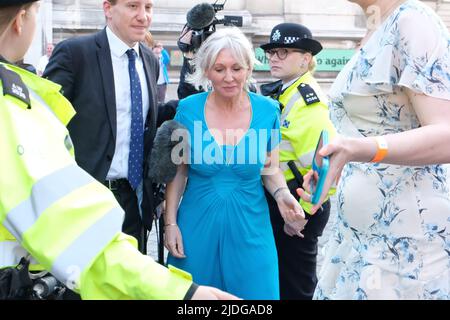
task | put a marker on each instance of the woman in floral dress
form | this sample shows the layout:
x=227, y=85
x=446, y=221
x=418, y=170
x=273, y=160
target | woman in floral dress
x=392, y=235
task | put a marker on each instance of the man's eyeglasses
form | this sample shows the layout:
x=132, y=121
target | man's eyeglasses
x=281, y=53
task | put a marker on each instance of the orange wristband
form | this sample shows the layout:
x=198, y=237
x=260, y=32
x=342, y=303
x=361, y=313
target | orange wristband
x=382, y=149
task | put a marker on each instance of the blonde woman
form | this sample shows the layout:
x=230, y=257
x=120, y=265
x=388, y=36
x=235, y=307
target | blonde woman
x=221, y=231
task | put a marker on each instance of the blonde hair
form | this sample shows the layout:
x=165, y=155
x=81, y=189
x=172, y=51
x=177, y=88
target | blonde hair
x=226, y=38
x=312, y=64
x=149, y=40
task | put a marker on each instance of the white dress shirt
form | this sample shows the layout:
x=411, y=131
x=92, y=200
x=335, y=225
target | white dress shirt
x=43, y=61
x=119, y=165
x=161, y=79
x=288, y=84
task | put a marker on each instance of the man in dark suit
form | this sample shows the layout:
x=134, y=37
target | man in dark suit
x=110, y=78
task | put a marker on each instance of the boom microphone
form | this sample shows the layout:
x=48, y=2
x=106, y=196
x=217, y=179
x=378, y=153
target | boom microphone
x=161, y=167
x=200, y=16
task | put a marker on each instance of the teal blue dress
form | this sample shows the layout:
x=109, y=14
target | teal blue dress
x=223, y=216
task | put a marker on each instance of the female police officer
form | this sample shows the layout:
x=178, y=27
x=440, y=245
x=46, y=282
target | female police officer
x=52, y=209
x=304, y=115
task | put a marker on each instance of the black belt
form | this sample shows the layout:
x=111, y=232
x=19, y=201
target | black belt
x=115, y=184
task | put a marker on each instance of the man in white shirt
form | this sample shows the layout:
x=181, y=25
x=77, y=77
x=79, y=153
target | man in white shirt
x=110, y=78
x=163, y=79
x=44, y=59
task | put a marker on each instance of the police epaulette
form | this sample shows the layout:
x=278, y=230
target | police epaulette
x=14, y=86
x=308, y=93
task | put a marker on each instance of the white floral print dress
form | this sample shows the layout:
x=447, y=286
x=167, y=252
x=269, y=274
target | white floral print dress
x=391, y=239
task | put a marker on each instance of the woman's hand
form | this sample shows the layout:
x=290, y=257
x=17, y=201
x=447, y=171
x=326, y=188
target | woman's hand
x=290, y=209
x=339, y=152
x=173, y=241
x=295, y=228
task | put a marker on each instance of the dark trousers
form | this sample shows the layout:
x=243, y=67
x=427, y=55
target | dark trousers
x=297, y=257
x=132, y=224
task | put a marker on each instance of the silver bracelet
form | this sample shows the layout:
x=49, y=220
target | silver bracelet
x=278, y=190
x=170, y=224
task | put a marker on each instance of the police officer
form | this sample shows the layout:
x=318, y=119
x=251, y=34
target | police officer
x=49, y=207
x=304, y=115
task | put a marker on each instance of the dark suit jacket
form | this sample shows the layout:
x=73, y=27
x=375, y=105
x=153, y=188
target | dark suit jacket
x=83, y=67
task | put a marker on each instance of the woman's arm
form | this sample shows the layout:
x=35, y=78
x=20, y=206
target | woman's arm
x=272, y=176
x=274, y=182
x=175, y=189
x=422, y=146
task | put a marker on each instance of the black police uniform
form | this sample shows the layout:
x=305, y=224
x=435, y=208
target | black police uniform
x=297, y=257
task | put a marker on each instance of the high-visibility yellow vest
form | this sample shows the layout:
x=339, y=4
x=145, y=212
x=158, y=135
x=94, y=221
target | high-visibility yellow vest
x=14, y=110
x=52, y=209
x=305, y=114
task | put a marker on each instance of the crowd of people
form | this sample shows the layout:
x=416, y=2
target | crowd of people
x=238, y=218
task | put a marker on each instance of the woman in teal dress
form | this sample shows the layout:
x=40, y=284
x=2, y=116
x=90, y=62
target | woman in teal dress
x=221, y=230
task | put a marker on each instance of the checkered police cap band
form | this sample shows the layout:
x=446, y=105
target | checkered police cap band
x=288, y=40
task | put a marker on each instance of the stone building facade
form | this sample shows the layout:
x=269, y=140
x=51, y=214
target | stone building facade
x=338, y=24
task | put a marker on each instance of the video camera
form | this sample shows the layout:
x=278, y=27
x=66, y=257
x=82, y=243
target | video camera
x=201, y=23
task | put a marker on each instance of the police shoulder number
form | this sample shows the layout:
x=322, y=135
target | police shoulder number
x=14, y=86
x=308, y=93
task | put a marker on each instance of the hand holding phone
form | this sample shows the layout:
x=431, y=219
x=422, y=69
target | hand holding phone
x=320, y=167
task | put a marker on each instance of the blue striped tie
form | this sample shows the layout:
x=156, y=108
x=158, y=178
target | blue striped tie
x=136, y=155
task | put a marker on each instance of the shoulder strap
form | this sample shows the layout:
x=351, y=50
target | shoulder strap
x=308, y=93
x=14, y=86
x=304, y=91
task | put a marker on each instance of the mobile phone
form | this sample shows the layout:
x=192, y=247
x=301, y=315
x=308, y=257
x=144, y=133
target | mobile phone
x=320, y=165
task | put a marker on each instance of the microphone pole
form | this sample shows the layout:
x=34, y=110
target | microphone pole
x=161, y=240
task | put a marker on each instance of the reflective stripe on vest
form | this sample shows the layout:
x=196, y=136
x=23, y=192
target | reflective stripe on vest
x=68, y=141
x=11, y=252
x=69, y=264
x=56, y=211
x=44, y=193
x=290, y=105
x=285, y=145
x=303, y=162
x=41, y=101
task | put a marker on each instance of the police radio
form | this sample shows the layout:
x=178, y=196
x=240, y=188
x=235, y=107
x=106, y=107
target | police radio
x=48, y=288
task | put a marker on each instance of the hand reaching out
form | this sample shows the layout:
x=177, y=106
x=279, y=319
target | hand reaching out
x=339, y=153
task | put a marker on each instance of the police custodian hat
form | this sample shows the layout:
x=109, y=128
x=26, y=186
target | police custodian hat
x=8, y=3
x=292, y=35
